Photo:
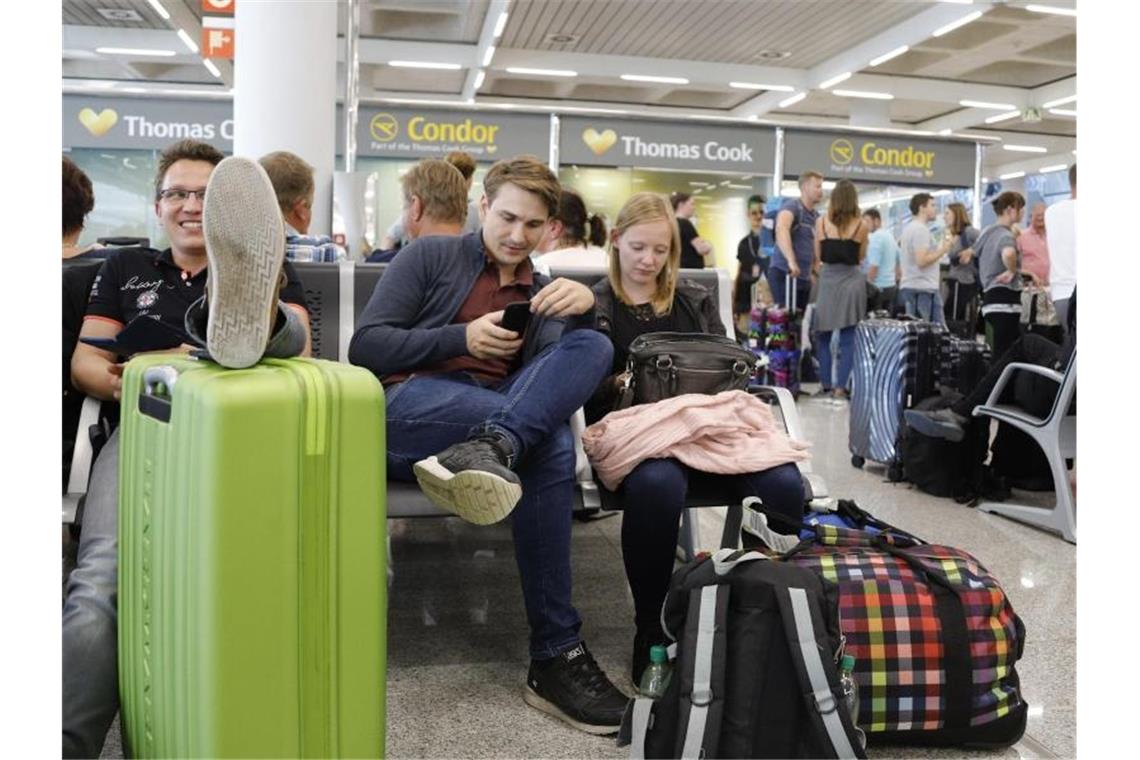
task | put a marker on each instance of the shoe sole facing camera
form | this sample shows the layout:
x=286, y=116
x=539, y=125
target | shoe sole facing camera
x=245, y=244
x=478, y=497
x=933, y=428
x=532, y=698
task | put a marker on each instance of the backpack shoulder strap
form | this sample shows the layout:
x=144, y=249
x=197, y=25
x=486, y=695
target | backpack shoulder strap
x=701, y=668
x=802, y=625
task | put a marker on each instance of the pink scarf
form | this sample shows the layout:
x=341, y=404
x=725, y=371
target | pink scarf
x=729, y=433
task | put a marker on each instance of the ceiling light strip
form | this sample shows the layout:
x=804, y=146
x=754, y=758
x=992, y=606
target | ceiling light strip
x=888, y=56
x=1003, y=117
x=211, y=67
x=1053, y=168
x=165, y=14
x=828, y=83
x=488, y=55
x=1026, y=148
x=653, y=79
x=1059, y=102
x=542, y=72
x=188, y=40
x=956, y=24
x=479, y=78
x=758, y=86
x=501, y=24
x=864, y=94
x=793, y=100
x=1011, y=175
x=1063, y=112
x=1053, y=9
x=986, y=104
x=425, y=65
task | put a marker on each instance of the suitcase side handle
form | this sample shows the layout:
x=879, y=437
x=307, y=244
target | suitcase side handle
x=157, y=397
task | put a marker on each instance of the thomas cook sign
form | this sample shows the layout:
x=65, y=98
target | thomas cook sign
x=666, y=145
x=431, y=133
x=877, y=158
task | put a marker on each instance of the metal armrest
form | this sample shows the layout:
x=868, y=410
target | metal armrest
x=80, y=458
x=1007, y=373
x=583, y=472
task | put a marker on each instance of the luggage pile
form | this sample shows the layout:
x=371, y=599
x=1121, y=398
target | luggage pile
x=896, y=366
x=759, y=636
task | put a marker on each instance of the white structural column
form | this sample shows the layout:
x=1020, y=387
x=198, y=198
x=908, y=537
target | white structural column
x=285, y=88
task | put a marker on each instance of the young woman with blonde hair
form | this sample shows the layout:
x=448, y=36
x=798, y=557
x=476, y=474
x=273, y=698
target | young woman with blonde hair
x=643, y=294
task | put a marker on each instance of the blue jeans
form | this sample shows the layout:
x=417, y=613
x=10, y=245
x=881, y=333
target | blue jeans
x=90, y=632
x=925, y=304
x=653, y=495
x=846, y=356
x=532, y=407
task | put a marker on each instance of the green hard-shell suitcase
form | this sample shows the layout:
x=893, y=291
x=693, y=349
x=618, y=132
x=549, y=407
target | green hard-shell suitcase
x=252, y=572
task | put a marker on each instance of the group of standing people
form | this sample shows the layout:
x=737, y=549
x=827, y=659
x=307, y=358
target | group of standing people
x=849, y=265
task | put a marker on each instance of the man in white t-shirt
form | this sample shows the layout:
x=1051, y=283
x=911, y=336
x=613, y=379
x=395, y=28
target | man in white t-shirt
x=919, y=287
x=1061, y=234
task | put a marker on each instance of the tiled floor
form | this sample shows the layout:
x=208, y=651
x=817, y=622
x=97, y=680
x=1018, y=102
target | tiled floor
x=457, y=648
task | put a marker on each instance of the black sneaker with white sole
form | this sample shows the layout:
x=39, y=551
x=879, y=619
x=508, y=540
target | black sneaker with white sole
x=472, y=480
x=573, y=688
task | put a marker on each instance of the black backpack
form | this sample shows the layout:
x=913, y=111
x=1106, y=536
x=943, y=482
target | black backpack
x=754, y=666
x=946, y=468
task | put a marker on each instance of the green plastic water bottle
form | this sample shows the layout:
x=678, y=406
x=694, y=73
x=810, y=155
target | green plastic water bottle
x=656, y=676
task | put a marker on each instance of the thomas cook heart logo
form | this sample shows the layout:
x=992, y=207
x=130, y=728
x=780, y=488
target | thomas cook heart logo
x=599, y=143
x=98, y=124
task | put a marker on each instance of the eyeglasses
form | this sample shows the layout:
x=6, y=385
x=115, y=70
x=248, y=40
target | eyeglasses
x=178, y=196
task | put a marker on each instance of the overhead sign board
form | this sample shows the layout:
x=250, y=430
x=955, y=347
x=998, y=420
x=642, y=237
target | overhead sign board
x=433, y=133
x=666, y=145
x=867, y=157
x=145, y=123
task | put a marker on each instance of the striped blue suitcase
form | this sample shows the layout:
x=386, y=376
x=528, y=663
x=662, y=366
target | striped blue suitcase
x=896, y=366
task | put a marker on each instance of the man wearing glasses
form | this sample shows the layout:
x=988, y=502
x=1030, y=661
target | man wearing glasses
x=753, y=263
x=168, y=286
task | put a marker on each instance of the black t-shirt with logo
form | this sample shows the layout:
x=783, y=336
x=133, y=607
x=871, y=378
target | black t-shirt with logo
x=147, y=282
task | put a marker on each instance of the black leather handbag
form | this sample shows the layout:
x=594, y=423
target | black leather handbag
x=667, y=364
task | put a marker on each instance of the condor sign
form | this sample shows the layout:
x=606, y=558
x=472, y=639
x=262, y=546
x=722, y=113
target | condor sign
x=877, y=158
x=415, y=134
x=665, y=145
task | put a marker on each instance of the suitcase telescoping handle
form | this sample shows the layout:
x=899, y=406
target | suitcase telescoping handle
x=157, y=394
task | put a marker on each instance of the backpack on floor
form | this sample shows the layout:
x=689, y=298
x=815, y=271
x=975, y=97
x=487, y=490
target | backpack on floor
x=946, y=468
x=933, y=634
x=754, y=666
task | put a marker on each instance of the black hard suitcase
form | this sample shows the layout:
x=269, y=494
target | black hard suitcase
x=962, y=363
x=961, y=310
x=896, y=366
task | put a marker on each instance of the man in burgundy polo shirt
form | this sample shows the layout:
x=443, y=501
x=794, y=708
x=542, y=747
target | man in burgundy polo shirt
x=479, y=414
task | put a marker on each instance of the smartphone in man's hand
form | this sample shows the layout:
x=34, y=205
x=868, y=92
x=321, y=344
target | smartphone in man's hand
x=516, y=317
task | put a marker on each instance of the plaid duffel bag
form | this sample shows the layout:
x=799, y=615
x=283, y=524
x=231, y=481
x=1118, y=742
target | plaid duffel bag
x=934, y=638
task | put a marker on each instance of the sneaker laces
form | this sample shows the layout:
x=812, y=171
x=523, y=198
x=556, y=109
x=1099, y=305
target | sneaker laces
x=585, y=672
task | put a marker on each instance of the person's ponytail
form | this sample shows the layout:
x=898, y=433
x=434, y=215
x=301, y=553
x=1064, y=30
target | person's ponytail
x=597, y=231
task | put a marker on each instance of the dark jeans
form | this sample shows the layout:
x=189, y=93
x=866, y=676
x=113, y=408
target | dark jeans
x=1028, y=349
x=653, y=496
x=883, y=300
x=777, y=282
x=1001, y=308
x=961, y=294
x=428, y=413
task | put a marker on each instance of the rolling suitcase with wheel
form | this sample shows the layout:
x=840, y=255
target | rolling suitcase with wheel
x=252, y=592
x=896, y=365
